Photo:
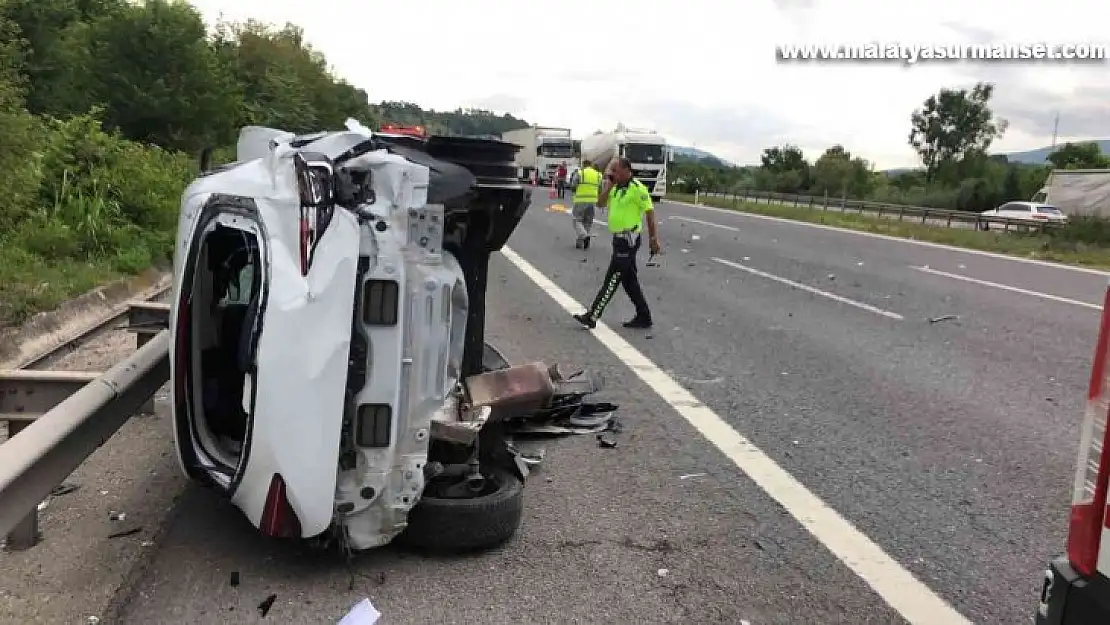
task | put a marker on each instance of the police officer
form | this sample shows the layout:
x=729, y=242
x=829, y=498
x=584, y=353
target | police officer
x=587, y=185
x=628, y=201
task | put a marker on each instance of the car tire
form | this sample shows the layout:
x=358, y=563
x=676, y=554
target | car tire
x=463, y=525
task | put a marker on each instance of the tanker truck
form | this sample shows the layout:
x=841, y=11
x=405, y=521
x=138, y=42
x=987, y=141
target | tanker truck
x=646, y=149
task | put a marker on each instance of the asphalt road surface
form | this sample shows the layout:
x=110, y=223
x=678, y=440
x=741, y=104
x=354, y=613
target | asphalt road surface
x=947, y=447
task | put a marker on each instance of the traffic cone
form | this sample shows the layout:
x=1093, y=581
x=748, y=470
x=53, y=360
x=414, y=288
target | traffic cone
x=551, y=194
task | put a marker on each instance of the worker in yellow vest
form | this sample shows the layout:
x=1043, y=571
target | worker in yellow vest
x=586, y=183
x=629, y=201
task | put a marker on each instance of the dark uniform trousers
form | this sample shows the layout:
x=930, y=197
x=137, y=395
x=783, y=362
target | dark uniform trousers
x=622, y=272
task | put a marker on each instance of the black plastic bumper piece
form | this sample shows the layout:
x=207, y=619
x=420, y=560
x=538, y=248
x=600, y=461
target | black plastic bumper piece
x=1069, y=599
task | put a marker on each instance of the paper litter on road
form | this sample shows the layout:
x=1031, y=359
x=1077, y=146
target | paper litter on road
x=363, y=613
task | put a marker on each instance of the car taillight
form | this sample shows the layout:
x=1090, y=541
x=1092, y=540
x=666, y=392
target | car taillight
x=1039, y=216
x=278, y=518
x=1088, y=509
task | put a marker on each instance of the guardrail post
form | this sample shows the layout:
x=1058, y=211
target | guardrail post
x=26, y=534
x=142, y=338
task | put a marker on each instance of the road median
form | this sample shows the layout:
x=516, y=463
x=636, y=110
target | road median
x=1054, y=246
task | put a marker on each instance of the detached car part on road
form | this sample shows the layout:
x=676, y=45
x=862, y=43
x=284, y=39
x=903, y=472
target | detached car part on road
x=1076, y=588
x=328, y=328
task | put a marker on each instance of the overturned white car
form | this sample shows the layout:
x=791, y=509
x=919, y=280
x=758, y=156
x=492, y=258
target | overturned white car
x=329, y=369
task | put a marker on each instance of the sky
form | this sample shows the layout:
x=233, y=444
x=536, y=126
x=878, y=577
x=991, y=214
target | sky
x=704, y=73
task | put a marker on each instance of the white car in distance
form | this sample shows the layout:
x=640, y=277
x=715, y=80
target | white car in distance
x=1032, y=212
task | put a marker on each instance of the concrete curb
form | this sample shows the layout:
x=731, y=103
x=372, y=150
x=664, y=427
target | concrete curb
x=49, y=330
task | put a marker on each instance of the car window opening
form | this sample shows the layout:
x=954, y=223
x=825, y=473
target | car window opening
x=226, y=297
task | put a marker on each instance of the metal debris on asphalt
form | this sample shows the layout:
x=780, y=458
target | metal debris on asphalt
x=606, y=441
x=267, y=603
x=117, y=516
x=363, y=613
x=559, y=408
x=127, y=532
x=690, y=475
x=663, y=572
x=943, y=318
x=64, y=488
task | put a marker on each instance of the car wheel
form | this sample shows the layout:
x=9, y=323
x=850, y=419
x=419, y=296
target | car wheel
x=471, y=524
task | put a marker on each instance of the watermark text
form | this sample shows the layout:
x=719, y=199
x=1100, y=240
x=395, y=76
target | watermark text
x=910, y=54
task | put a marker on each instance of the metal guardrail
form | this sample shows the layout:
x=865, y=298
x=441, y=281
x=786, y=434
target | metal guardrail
x=57, y=419
x=930, y=216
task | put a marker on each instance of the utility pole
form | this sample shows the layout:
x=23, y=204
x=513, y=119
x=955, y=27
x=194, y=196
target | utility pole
x=1055, y=128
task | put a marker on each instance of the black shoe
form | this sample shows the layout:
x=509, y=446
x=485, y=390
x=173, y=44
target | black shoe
x=586, y=243
x=586, y=320
x=638, y=322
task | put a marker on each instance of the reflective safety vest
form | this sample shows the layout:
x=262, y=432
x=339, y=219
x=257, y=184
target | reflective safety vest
x=589, y=182
x=627, y=207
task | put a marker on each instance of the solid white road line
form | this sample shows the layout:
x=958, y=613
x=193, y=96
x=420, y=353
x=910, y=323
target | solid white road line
x=887, y=237
x=809, y=289
x=910, y=597
x=1006, y=287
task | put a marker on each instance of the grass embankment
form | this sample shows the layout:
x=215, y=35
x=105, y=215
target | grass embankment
x=1084, y=242
x=81, y=207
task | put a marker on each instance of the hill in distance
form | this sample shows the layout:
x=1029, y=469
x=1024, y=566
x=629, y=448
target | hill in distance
x=1038, y=156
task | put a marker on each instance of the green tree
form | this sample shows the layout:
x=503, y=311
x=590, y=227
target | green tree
x=952, y=126
x=783, y=169
x=1087, y=155
x=180, y=95
x=837, y=173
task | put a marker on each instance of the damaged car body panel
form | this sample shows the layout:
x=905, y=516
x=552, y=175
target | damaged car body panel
x=329, y=365
x=256, y=335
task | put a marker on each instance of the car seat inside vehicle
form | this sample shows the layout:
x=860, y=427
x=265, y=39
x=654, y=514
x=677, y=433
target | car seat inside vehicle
x=226, y=294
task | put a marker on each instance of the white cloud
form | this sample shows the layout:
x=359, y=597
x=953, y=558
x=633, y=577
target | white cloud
x=704, y=71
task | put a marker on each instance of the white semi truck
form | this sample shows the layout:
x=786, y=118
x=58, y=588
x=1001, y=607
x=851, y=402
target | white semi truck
x=1077, y=192
x=542, y=150
x=646, y=149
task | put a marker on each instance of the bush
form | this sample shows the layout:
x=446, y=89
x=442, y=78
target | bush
x=100, y=206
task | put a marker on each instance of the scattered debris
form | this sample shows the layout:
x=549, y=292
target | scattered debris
x=267, y=603
x=690, y=475
x=663, y=572
x=363, y=613
x=103, y=492
x=127, y=532
x=234, y=579
x=93, y=620
x=962, y=266
x=943, y=318
x=746, y=258
x=64, y=488
x=695, y=237
x=859, y=264
x=606, y=441
x=532, y=401
x=147, y=543
x=685, y=251
x=832, y=276
x=117, y=516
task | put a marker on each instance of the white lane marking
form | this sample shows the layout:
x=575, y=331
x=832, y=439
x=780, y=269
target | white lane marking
x=887, y=237
x=1006, y=287
x=805, y=287
x=910, y=597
